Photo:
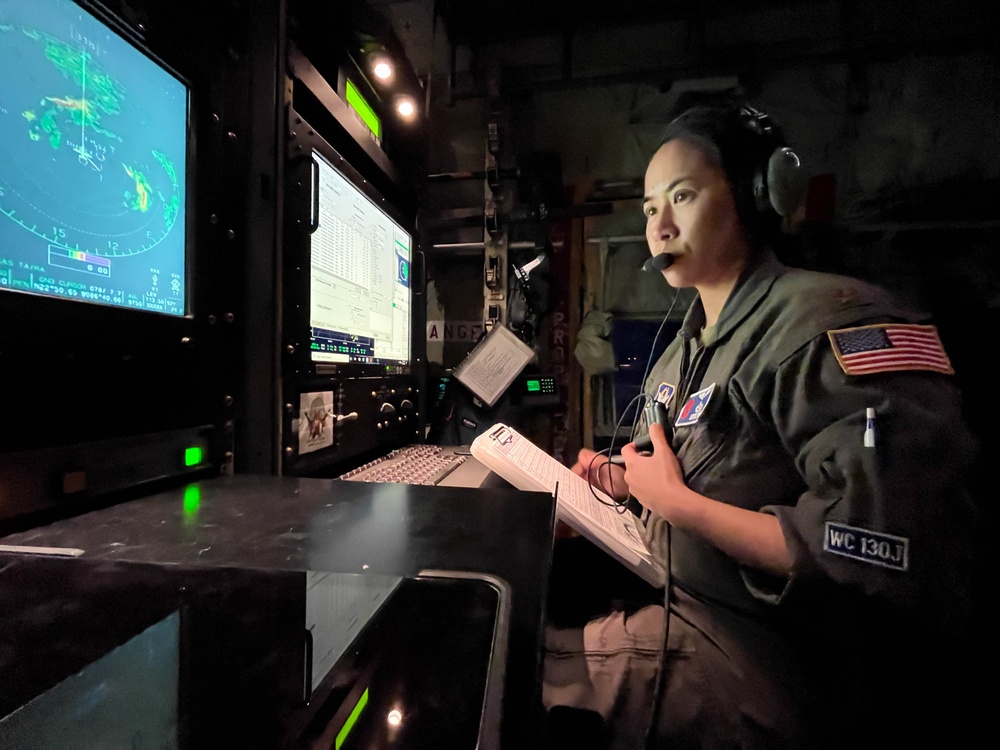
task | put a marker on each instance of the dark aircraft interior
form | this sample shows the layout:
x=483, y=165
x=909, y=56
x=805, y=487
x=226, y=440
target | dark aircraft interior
x=268, y=268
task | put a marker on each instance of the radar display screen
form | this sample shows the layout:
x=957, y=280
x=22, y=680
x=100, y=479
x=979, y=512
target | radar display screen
x=93, y=150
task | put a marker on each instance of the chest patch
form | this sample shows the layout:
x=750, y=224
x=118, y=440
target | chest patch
x=889, y=347
x=665, y=394
x=886, y=550
x=694, y=407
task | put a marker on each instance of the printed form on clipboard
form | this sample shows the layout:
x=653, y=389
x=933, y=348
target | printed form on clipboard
x=503, y=450
x=493, y=364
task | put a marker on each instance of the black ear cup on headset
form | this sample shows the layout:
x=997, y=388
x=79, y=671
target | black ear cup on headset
x=786, y=181
x=779, y=179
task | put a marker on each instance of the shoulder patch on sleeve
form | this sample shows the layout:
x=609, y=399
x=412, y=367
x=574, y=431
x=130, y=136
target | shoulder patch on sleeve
x=887, y=550
x=888, y=347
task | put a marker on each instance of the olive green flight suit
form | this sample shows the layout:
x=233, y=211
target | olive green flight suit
x=880, y=537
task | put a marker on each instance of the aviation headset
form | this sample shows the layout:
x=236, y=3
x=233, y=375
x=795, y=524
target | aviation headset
x=767, y=176
x=778, y=178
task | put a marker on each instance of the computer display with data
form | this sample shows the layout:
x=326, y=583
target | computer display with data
x=93, y=162
x=359, y=290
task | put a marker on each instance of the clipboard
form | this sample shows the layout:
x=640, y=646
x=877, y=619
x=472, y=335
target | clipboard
x=493, y=364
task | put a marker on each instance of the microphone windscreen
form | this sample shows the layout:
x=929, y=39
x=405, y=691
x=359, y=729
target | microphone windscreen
x=659, y=262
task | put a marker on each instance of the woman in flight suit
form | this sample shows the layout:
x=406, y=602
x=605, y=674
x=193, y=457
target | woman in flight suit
x=806, y=488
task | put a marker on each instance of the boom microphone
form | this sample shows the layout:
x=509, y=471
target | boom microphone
x=659, y=262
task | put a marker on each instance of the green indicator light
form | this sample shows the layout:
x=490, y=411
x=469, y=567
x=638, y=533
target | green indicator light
x=364, y=110
x=193, y=456
x=192, y=499
x=534, y=385
x=351, y=721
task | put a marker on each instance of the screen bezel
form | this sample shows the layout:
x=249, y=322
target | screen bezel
x=87, y=319
x=304, y=142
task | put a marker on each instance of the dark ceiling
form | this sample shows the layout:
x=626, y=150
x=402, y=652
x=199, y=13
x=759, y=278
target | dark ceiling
x=559, y=43
x=478, y=22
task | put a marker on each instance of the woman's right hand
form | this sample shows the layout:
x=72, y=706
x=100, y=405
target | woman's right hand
x=596, y=469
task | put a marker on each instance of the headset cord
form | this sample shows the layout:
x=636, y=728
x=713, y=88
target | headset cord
x=620, y=506
x=661, y=668
x=635, y=418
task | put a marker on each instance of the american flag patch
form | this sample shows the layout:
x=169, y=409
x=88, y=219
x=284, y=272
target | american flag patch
x=888, y=347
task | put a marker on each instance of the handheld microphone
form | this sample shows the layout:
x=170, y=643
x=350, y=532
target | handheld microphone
x=659, y=262
x=655, y=412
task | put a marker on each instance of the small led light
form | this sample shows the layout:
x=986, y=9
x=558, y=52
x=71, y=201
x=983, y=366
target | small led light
x=394, y=718
x=405, y=107
x=382, y=70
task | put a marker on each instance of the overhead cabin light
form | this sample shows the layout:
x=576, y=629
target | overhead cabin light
x=406, y=108
x=382, y=70
x=382, y=67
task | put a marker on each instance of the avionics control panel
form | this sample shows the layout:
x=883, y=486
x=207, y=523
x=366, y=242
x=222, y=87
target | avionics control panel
x=337, y=420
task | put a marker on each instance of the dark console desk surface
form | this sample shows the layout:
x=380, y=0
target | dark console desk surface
x=325, y=525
